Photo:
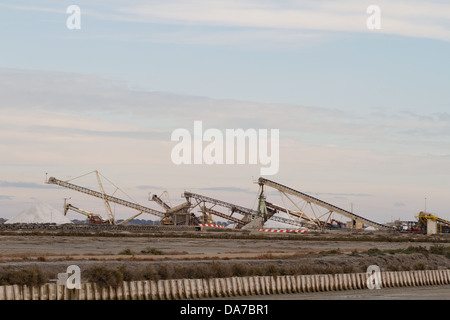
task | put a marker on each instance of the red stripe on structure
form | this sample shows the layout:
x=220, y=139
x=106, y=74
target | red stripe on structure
x=282, y=230
x=211, y=225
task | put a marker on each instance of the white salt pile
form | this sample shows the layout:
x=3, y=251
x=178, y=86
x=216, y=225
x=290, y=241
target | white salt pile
x=40, y=213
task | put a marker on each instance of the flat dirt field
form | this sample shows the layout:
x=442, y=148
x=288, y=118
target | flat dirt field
x=338, y=251
x=329, y=252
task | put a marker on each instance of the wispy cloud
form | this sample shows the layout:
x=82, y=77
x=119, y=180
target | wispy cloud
x=233, y=21
x=400, y=17
x=342, y=194
x=227, y=189
x=404, y=18
x=92, y=112
x=149, y=187
x=27, y=185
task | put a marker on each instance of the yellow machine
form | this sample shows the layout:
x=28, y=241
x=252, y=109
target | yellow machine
x=443, y=226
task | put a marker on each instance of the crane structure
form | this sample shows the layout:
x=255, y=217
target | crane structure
x=92, y=218
x=178, y=215
x=315, y=221
x=107, y=198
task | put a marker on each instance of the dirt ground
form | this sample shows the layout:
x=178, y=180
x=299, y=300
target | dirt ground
x=56, y=252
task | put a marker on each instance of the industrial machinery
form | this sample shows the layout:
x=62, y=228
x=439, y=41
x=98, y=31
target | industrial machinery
x=311, y=214
x=430, y=224
x=207, y=207
x=241, y=217
x=107, y=198
x=178, y=215
x=406, y=226
x=316, y=219
x=91, y=217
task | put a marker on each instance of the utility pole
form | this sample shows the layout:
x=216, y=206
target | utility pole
x=425, y=205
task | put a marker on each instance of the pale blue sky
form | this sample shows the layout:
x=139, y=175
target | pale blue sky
x=359, y=68
x=361, y=111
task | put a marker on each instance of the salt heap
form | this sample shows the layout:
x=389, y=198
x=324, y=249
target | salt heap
x=40, y=213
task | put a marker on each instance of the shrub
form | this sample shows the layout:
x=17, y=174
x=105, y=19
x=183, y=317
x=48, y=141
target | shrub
x=271, y=270
x=165, y=271
x=374, y=252
x=32, y=276
x=152, y=251
x=127, y=252
x=103, y=276
x=221, y=270
x=440, y=250
x=418, y=249
x=354, y=253
x=348, y=269
x=419, y=266
x=150, y=273
x=331, y=252
x=239, y=270
x=391, y=267
x=193, y=272
x=127, y=275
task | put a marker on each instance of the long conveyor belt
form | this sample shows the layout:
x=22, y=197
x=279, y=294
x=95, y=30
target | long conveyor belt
x=100, y=195
x=332, y=208
x=249, y=214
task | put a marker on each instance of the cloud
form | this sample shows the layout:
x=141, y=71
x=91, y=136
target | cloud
x=66, y=114
x=89, y=105
x=148, y=187
x=4, y=197
x=80, y=105
x=343, y=194
x=443, y=116
x=227, y=189
x=330, y=15
x=251, y=21
x=27, y=185
x=405, y=18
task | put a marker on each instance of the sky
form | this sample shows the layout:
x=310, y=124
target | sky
x=363, y=113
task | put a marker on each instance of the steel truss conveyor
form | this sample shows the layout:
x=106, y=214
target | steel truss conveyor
x=328, y=206
x=248, y=214
x=225, y=216
x=105, y=196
